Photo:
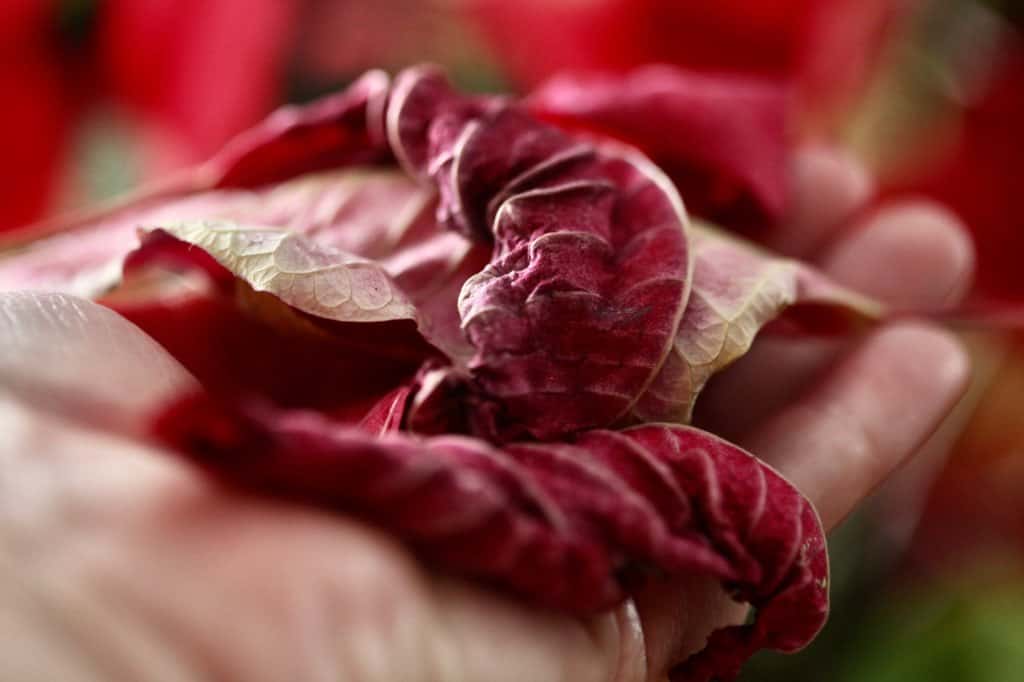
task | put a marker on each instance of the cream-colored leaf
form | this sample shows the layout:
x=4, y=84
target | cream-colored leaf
x=316, y=279
x=737, y=289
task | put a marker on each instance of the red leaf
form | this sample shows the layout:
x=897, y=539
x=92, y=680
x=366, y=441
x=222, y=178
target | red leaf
x=589, y=248
x=559, y=523
x=339, y=130
x=387, y=414
x=722, y=139
x=233, y=350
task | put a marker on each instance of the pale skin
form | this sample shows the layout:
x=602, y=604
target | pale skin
x=118, y=562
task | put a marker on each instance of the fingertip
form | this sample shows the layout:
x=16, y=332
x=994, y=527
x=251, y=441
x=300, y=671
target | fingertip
x=828, y=187
x=914, y=255
x=73, y=357
x=848, y=433
x=924, y=355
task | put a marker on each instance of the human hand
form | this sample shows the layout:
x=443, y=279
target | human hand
x=120, y=562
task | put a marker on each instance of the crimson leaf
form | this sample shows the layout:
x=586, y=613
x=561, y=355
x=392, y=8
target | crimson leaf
x=561, y=523
x=722, y=139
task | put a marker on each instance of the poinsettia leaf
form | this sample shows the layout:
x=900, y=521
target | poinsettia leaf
x=424, y=111
x=722, y=138
x=737, y=290
x=378, y=214
x=771, y=535
x=590, y=248
x=560, y=523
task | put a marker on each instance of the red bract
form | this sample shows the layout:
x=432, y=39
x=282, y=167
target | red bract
x=430, y=310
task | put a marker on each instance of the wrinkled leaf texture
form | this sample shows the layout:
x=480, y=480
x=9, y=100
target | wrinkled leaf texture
x=590, y=269
x=557, y=522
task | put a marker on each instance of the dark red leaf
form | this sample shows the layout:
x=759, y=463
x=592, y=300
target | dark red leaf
x=339, y=130
x=271, y=352
x=590, y=248
x=722, y=139
x=560, y=523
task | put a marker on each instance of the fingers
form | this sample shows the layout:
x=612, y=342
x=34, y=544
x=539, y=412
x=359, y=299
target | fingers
x=915, y=256
x=76, y=358
x=912, y=255
x=842, y=438
x=828, y=188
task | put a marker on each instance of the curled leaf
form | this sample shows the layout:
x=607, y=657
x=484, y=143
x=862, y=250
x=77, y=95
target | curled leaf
x=345, y=129
x=574, y=314
x=560, y=523
x=737, y=290
x=314, y=279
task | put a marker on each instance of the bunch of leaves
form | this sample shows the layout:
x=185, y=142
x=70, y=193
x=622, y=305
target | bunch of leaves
x=482, y=326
